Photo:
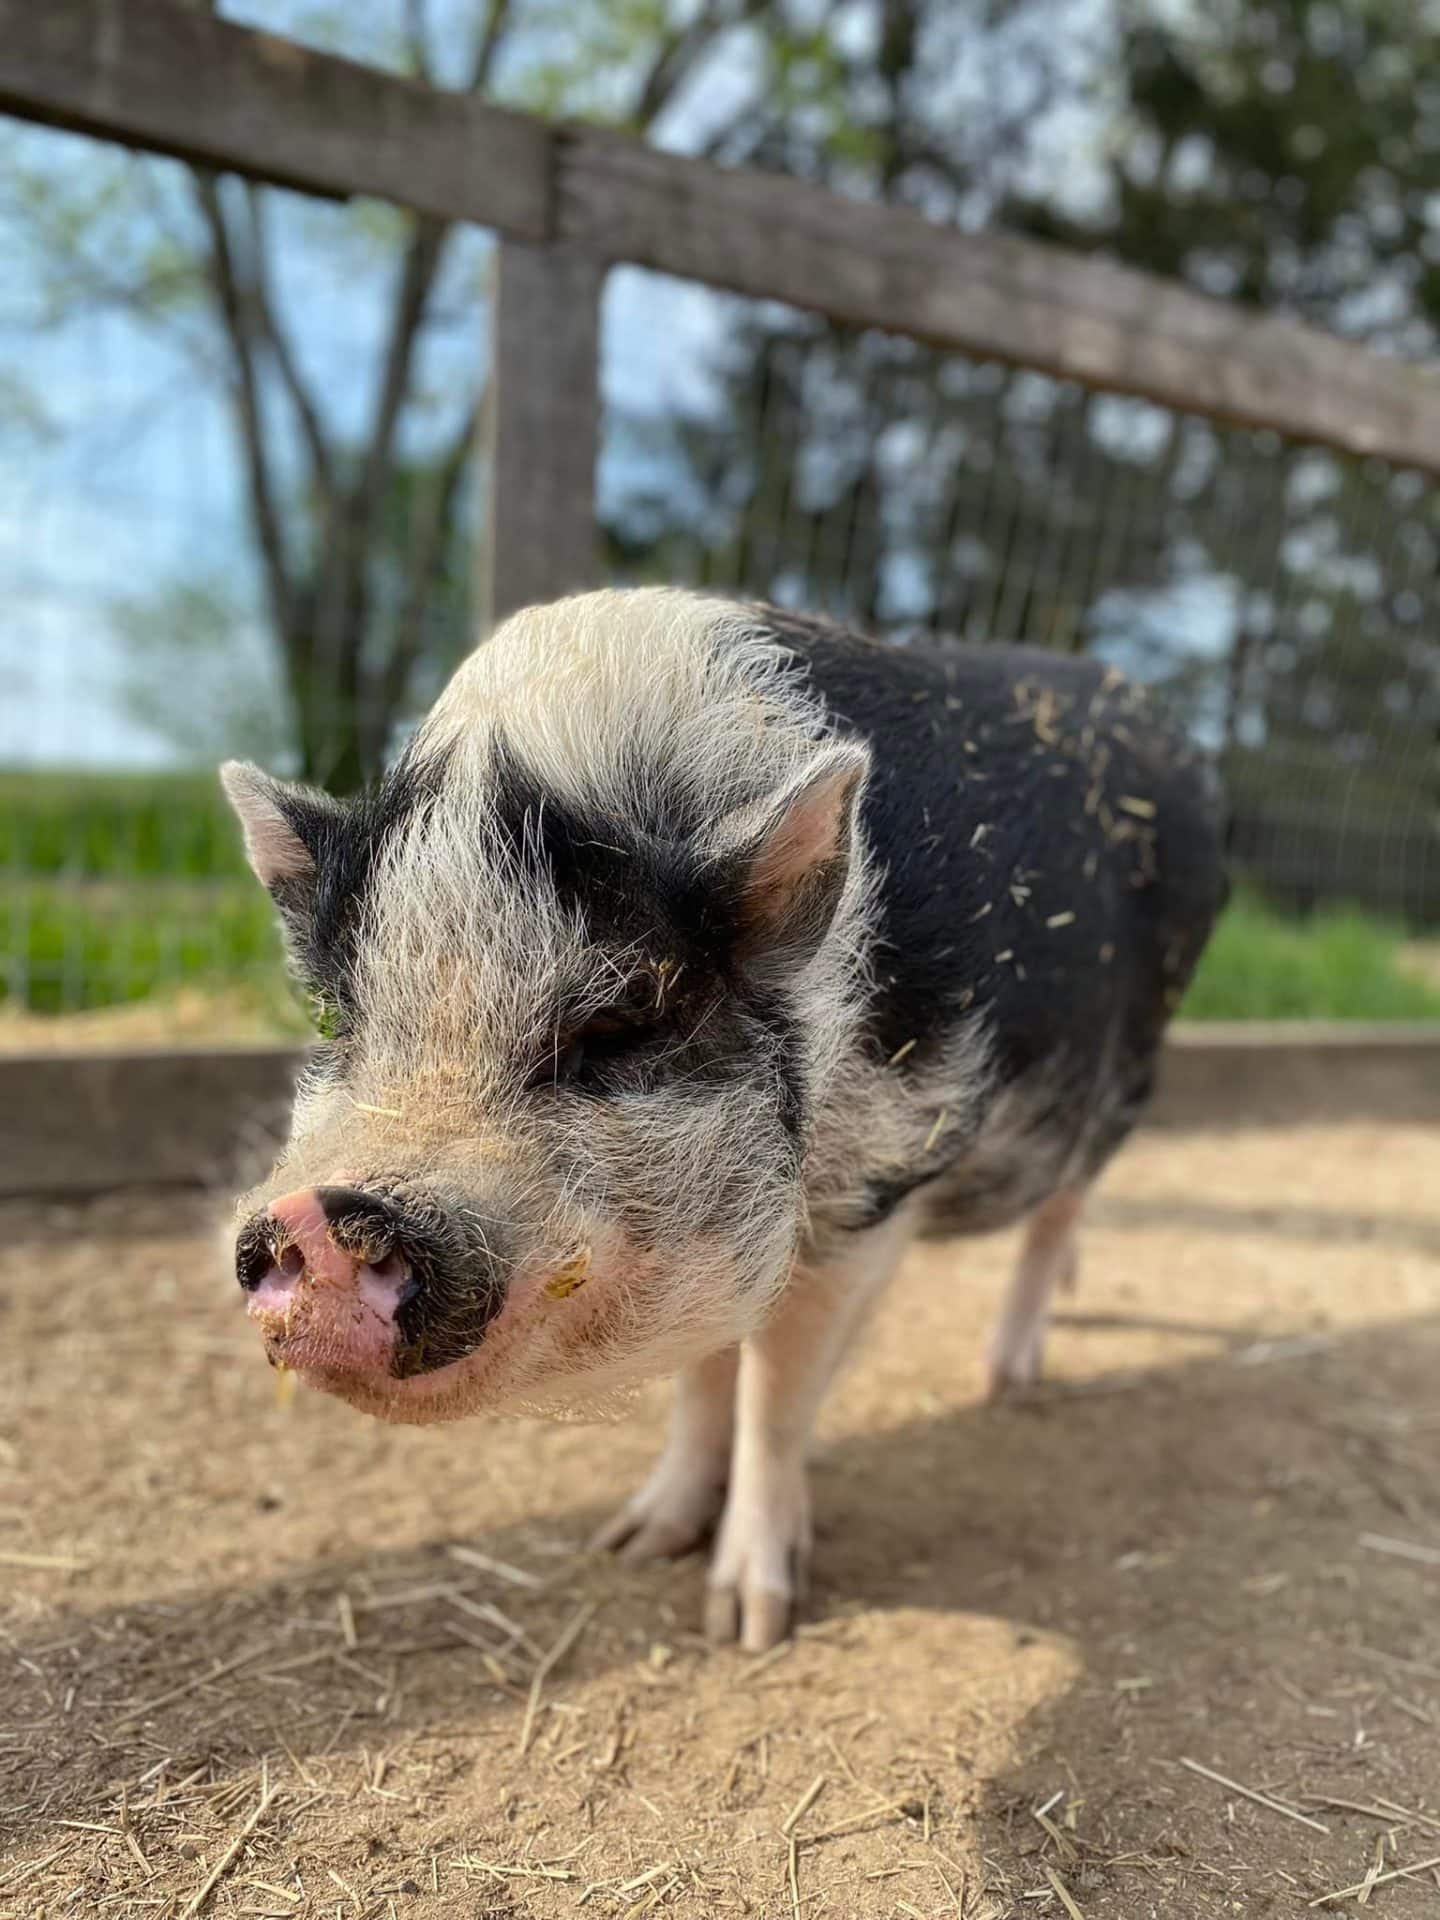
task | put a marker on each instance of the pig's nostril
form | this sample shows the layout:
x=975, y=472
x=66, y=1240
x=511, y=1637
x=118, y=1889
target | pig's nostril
x=291, y=1262
x=253, y=1256
x=396, y=1271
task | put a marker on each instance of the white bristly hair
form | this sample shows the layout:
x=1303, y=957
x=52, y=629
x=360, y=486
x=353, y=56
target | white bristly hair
x=600, y=690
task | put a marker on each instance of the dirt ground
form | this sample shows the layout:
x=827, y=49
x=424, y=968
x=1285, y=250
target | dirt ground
x=270, y=1659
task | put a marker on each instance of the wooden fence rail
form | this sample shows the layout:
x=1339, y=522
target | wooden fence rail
x=168, y=77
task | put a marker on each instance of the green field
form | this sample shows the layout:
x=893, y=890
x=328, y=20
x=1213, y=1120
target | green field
x=172, y=826
x=115, y=889
x=121, y=890
x=1338, y=964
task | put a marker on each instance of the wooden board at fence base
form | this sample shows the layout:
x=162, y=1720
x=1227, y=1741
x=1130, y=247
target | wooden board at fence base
x=91, y=1122
x=87, y=1123
x=174, y=79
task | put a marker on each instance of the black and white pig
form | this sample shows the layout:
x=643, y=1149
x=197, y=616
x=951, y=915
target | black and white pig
x=694, y=959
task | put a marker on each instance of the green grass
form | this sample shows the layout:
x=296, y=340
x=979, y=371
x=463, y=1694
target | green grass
x=118, y=887
x=69, y=947
x=117, y=825
x=1338, y=964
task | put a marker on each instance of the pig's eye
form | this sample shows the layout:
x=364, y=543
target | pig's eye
x=581, y=1052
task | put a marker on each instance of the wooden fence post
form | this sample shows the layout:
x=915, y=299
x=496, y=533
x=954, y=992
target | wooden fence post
x=539, y=537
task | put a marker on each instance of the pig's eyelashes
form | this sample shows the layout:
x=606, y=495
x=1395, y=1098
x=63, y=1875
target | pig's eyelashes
x=579, y=1055
x=568, y=1062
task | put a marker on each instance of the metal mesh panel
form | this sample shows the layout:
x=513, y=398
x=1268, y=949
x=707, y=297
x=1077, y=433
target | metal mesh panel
x=1285, y=597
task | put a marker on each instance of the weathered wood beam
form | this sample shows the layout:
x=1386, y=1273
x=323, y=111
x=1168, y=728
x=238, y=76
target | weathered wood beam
x=175, y=79
x=1077, y=316
x=172, y=78
x=539, y=532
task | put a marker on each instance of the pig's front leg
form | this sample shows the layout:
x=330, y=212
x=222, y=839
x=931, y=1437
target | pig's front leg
x=763, y=1550
x=679, y=1504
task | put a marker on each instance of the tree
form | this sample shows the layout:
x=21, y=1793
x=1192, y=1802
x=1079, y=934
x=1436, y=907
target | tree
x=357, y=511
x=327, y=566
x=1283, y=152
x=837, y=467
x=355, y=527
x=900, y=488
x=1286, y=153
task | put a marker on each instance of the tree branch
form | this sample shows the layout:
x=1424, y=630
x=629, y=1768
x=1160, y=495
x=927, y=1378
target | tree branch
x=679, y=51
x=497, y=18
x=344, y=598
x=431, y=530
x=306, y=410
x=238, y=318
x=417, y=275
x=417, y=41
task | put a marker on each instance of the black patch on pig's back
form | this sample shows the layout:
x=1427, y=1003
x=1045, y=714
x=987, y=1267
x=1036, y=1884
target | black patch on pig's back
x=1064, y=907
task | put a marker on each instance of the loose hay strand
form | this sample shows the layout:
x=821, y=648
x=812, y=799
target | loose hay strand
x=1251, y=1793
x=44, y=1562
x=1401, y=1549
x=1378, y=1880
x=227, y=1859
x=803, y=1805
x=217, y=1672
x=578, y=1623
x=502, y=1569
x=1066, y=1898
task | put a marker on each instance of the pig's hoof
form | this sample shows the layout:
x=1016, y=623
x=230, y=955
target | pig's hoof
x=1014, y=1368
x=760, y=1569
x=663, y=1521
x=758, y=1617
x=1009, y=1384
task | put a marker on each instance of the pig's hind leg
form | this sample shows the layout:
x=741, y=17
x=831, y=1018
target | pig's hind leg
x=1047, y=1261
x=763, y=1549
x=678, y=1505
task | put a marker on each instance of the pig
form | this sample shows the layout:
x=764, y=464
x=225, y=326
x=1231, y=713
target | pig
x=691, y=962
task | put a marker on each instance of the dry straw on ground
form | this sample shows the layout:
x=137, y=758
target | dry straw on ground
x=1144, y=1644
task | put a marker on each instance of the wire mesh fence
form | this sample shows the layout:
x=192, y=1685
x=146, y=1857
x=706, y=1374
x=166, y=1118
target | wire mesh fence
x=1286, y=598
x=157, y=619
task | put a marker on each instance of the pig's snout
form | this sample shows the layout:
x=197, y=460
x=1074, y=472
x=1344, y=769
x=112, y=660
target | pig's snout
x=331, y=1237
x=348, y=1285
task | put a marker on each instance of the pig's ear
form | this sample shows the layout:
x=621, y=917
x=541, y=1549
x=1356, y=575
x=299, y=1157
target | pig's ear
x=788, y=858
x=283, y=825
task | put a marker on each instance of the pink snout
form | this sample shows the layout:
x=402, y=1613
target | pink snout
x=326, y=1278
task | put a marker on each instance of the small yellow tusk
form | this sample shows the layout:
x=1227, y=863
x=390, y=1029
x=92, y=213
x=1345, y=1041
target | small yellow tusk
x=286, y=1381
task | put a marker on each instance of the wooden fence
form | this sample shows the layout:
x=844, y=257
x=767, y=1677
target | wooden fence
x=568, y=202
